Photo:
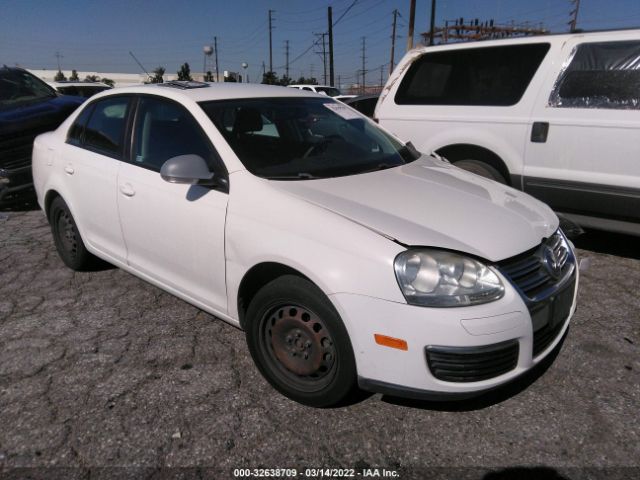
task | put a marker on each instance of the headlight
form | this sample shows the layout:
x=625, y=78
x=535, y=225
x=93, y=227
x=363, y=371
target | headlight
x=437, y=278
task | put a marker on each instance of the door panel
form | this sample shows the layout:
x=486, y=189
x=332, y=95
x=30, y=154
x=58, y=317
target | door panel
x=175, y=233
x=589, y=162
x=90, y=161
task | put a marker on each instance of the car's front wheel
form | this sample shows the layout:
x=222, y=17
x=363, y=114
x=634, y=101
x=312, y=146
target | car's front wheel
x=299, y=343
x=67, y=238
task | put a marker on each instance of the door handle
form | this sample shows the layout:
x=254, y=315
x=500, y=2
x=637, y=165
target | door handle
x=127, y=190
x=539, y=132
x=69, y=169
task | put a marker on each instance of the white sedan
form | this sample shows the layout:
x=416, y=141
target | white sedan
x=349, y=258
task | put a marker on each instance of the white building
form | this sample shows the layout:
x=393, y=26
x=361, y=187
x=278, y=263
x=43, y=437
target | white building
x=120, y=79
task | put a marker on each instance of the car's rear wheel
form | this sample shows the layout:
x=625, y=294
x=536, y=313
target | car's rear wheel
x=67, y=238
x=299, y=343
x=481, y=168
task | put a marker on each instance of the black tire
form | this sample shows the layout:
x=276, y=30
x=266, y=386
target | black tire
x=481, y=168
x=67, y=237
x=299, y=343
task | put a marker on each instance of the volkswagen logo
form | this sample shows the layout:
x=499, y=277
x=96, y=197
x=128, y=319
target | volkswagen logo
x=551, y=262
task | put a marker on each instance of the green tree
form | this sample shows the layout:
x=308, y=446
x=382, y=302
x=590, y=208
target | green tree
x=284, y=81
x=185, y=72
x=208, y=77
x=108, y=81
x=59, y=77
x=307, y=81
x=270, y=78
x=157, y=75
x=92, y=78
x=74, y=76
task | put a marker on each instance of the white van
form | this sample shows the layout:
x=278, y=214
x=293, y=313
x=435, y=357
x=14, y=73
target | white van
x=557, y=116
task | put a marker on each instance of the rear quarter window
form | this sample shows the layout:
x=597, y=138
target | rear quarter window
x=489, y=76
x=602, y=75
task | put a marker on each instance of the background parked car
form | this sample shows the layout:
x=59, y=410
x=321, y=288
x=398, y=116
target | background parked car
x=365, y=104
x=28, y=107
x=323, y=90
x=557, y=116
x=79, y=89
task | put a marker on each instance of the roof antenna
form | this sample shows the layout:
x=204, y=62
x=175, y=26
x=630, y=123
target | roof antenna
x=143, y=69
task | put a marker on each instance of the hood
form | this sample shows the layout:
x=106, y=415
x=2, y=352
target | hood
x=430, y=202
x=44, y=112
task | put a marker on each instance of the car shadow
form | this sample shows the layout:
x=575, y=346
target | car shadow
x=487, y=399
x=617, y=244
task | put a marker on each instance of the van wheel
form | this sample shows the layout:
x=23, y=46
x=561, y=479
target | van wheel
x=481, y=168
x=67, y=237
x=299, y=343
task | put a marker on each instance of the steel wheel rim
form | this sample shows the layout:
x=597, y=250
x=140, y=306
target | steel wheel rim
x=67, y=234
x=298, y=347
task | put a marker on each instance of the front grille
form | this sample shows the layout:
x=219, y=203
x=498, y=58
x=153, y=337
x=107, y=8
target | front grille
x=531, y=271
x=15, y=150
x=545, y=277
x=549, y=317
x=472, y=364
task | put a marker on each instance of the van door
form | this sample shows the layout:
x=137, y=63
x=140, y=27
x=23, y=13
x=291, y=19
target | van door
x=583, y=153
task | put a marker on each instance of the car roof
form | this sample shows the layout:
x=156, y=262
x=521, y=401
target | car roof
x=310, y=85
x=602, y=35
x=210, y=91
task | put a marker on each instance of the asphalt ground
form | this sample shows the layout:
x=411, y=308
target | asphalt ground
x=105, y=376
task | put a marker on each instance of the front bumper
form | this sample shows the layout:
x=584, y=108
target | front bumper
x=15, y=180
x=507, y=322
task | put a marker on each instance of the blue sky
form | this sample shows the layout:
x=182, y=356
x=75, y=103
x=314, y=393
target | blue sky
x=98, y=35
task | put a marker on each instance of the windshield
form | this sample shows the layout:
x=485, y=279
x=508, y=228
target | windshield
x=304, y=138
x=330, y=91
x=18, y=87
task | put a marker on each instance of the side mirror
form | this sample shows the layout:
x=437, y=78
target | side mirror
x=189, y=169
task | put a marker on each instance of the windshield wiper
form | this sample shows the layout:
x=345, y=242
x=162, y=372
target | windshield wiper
x=297, y=176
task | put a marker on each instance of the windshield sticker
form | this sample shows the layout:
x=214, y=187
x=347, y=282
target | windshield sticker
x=342, y=110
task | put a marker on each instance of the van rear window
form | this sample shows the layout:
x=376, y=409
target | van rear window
x=489, y=76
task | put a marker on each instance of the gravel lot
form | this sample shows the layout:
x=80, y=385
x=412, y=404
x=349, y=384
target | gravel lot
x=103, y=375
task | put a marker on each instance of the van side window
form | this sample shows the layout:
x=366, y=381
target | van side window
x=600, y=75
x=490, y=76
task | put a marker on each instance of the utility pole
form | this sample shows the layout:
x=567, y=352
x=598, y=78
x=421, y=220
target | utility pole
x=412, y=21
x=215, y=51
x=270, y=44
x=393, y=41
x=433, y=21
x=574, y=21
x=324, y=55
x=264, y=69
x=330, y=20
x=286, y=49
x=363, y=63
x=381, y=70
x=59, y=56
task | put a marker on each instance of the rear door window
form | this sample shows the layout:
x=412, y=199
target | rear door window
x=490, y=76
x=600, y=75
x=105, y=129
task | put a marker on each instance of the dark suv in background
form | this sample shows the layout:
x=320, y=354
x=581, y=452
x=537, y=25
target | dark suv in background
x=28, y=107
